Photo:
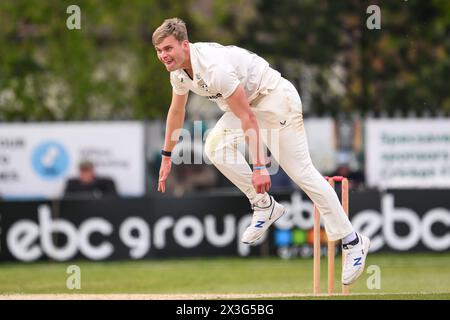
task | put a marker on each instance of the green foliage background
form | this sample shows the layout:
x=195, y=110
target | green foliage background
x=109, y=70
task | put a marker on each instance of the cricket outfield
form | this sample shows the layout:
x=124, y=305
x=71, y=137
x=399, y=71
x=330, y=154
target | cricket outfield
x=392, y=276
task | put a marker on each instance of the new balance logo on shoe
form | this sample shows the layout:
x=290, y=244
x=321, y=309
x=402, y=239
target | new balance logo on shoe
x=354, y=260
x=259, y=224
x=263, y=217
x=357, y=262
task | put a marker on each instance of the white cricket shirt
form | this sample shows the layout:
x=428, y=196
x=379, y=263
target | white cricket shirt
x=218, y=70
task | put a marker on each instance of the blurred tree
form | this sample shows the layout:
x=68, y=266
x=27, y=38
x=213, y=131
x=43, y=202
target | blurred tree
x=403, y=66
x=109, y=70
x=307, y=37
x=106, y=70
x=407, y=62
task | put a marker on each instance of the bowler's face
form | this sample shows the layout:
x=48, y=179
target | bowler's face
x=172, y=53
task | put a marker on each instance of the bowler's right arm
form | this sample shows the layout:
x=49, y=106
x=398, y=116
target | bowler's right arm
x=174, y=122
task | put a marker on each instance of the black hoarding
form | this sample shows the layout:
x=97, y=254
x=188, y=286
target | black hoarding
x=160, y=227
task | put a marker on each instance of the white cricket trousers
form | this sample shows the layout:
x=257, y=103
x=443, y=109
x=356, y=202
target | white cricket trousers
x=280, y=119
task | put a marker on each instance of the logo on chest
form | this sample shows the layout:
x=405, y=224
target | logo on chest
x=201, y=84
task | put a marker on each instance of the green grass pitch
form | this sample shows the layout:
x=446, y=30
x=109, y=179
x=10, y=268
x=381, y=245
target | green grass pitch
x=402, y=276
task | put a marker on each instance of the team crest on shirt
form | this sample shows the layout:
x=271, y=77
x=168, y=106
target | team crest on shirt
x=201, y=84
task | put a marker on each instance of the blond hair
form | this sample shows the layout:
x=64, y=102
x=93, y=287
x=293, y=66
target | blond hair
x=170, y=27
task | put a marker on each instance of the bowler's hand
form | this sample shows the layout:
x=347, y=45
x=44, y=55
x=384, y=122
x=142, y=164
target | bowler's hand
x=261, y=180
x=164, y=170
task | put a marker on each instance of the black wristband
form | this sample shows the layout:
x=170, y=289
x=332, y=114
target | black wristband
x=166, y=153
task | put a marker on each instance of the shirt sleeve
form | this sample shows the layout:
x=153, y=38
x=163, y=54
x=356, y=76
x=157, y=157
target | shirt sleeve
x=177, y=86
x=224, y=80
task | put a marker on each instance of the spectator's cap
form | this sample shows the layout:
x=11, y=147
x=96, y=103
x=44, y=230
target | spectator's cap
x=86, y=165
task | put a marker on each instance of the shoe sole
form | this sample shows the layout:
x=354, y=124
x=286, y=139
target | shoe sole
x=366, y=250
x=275, y=220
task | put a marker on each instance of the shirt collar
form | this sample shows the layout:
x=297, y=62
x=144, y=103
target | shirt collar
x=181, y=74
x=194, y=62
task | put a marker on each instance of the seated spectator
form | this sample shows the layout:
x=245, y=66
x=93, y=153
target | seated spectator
x=88, y=185
x=191, y=178
x=280, y=180
x=355, y=178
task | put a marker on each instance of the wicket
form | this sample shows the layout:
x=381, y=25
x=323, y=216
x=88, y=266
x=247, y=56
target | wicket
x=331, y=244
